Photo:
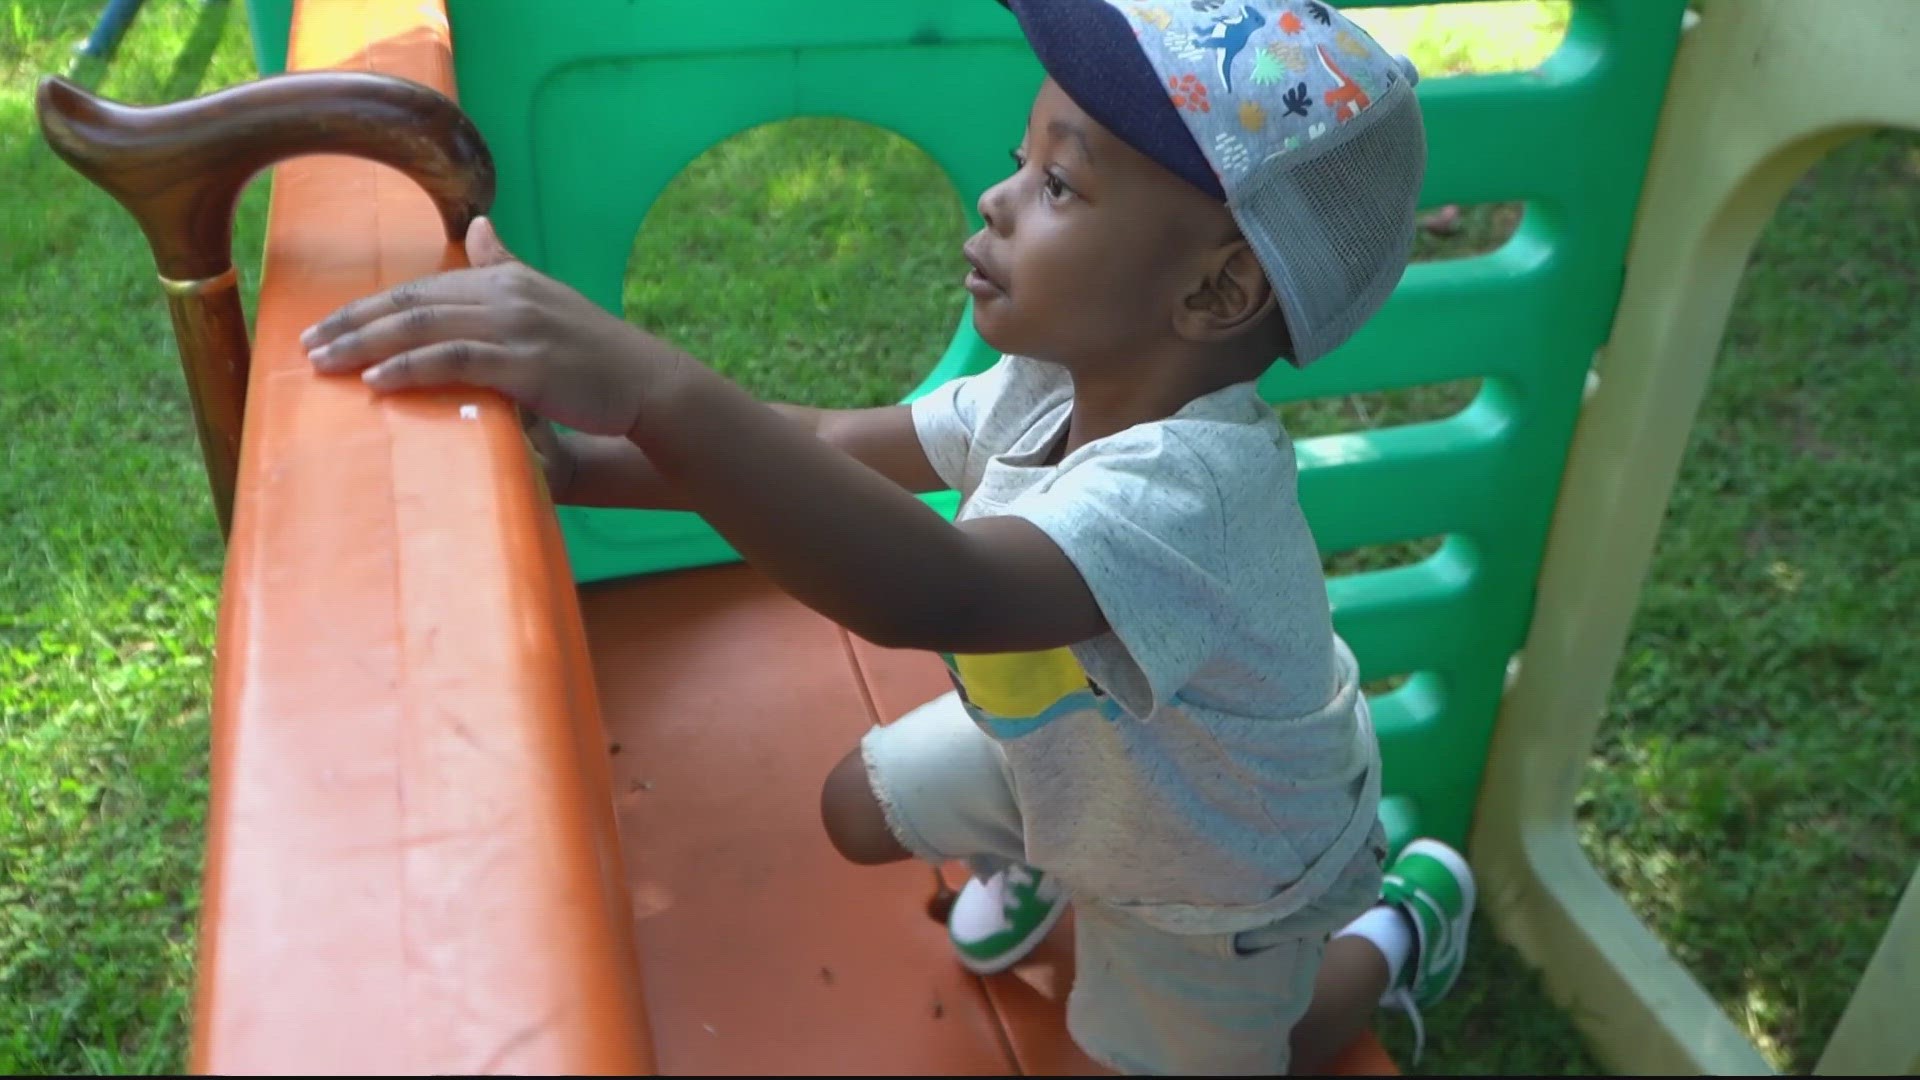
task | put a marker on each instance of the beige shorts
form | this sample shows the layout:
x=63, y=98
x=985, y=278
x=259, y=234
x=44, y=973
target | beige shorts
x=1144, y=1001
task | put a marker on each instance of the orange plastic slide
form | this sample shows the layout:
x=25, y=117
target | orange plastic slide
x=411, y=862
x=426, y=851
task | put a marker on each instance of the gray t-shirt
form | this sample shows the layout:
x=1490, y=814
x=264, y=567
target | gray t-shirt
x=1208, y=764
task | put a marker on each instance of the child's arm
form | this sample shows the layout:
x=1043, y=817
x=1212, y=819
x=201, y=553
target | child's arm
x=610, y=471
x=841, y=535
x=847, y=541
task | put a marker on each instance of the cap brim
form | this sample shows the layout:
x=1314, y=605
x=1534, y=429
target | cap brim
x=1089, y=50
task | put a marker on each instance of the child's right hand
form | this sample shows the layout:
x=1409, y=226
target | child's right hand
x=502, y=325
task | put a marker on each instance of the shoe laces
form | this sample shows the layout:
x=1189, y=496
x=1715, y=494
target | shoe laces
x=1446, y=951
x=1014, y=875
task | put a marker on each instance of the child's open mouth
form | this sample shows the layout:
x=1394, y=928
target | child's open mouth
x=980, y=281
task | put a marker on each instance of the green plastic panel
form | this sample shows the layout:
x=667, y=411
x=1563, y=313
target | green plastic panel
x=591, y=107
x=269, y=22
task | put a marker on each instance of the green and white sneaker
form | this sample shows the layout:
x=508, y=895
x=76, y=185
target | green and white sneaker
x=1432, y=886
x=995, y=923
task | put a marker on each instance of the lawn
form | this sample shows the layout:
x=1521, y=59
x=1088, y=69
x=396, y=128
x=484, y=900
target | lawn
x=1751, y=794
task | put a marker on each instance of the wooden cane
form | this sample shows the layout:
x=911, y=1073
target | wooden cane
x=179, y=169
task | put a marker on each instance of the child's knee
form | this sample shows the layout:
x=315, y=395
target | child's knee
x=854, y=821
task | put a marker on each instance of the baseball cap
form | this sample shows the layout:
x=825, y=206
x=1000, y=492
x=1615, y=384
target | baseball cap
x=1284, y=110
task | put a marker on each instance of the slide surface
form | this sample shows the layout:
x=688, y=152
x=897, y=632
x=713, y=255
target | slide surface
x=411, y=858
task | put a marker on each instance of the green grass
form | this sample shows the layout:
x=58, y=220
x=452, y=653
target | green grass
x=853, y=238
x=1753, y=791
x=1747, y=794
x=109, y=581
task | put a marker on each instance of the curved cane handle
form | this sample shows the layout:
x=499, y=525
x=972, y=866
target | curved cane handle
x=179, y=168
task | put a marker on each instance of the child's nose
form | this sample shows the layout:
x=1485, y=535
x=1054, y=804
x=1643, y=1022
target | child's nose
x=993, y=207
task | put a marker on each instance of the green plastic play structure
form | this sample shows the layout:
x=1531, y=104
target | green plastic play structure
x=1570, y=139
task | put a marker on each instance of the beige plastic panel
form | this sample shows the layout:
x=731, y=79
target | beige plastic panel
x=1879, y=1034
x=1761, y=90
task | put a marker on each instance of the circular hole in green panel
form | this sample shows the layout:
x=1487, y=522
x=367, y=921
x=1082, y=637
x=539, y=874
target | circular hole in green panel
x=814, y=261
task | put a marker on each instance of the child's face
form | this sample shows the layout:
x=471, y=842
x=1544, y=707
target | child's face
x=1090, y=248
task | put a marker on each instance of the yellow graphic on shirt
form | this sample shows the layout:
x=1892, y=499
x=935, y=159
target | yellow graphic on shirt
x=1014, y=694
x=1020, y=685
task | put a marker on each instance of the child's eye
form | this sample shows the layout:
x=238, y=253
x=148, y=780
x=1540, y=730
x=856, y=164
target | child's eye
x=1055, y=187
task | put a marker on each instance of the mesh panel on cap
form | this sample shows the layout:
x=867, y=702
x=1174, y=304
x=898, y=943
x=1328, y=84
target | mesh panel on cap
x=1334, y=228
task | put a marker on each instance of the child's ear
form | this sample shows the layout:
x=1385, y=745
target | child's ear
x=1232, y=296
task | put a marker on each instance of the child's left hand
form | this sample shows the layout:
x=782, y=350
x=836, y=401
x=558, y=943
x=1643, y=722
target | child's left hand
x=501, y=325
